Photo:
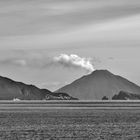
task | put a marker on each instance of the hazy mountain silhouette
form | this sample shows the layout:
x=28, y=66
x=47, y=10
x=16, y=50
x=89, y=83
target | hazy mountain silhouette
x=10, y=90
x=123, y=95
x=98, y=84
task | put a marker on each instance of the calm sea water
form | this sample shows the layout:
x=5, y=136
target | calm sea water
x=23, y=122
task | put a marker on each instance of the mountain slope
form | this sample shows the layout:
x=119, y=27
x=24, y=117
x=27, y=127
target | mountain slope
x=10, y=90
x=98, y=84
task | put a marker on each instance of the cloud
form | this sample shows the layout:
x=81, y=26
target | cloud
x=74, y=61
x=63, y=60
x=14, y=62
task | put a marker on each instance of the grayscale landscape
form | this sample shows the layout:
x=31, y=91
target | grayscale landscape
x=69, y=70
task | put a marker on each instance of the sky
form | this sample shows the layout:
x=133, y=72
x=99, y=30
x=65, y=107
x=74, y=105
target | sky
x=51, y=43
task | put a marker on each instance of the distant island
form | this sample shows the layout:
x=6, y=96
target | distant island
x=12, y=90
x=102, y=84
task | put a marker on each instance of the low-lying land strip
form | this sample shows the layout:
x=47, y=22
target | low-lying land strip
x=69, y=104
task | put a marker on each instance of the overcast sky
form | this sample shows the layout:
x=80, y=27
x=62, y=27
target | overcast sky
x=50, y=43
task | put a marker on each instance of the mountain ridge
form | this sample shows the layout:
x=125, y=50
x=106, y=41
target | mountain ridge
x=10, y=90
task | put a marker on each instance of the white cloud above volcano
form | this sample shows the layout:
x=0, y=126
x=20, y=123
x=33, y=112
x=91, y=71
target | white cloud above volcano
x=74, y=61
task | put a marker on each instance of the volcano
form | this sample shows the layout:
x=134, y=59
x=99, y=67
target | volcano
x=98, y=84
